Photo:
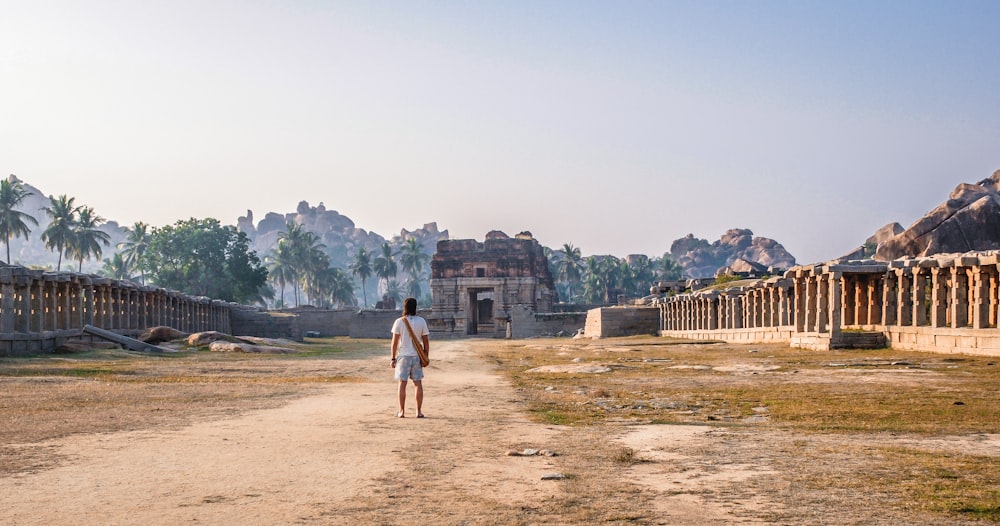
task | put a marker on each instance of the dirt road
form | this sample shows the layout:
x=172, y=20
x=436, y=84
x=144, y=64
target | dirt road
x=337, y=457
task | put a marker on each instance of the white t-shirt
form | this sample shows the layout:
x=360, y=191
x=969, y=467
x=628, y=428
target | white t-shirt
x=406, y=347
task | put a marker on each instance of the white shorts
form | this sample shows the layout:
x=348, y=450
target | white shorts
x=408, y=367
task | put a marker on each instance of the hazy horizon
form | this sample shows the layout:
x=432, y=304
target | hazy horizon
x=618, y=127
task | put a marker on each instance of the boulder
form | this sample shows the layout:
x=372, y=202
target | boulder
x=160, y=334
x=701, y=259
x=968, y=221
x=222, y=346
x=199, y=339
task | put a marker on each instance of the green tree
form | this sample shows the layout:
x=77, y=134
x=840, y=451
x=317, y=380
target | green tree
x=394, y=291
x=639, y=277
x=115, y=268
x=13, y=222
x=204, y=258
x=412, y=259
x=59, y=234
x=87, y=237
x=669, y=269
x=134, y=248
x=281, y=267
x=568, y=268
x=307, y=255
x=342, y=288
x=362, y=268
x=384, y=265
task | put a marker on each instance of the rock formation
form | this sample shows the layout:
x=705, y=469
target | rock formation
x=337, y=232
x=701, y=259
x=867, y=250
x=969, y=220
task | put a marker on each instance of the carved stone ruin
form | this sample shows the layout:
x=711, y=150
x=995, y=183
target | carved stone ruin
x=476, y=285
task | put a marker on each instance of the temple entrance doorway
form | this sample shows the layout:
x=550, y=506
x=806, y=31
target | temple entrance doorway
x=480, y=315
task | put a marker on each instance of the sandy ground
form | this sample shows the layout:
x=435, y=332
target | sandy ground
x=304, y=462
x=341, y=457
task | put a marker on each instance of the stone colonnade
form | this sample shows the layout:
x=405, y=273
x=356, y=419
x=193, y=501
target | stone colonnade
x=37, y=307
x=765, y=304
x=922, y=303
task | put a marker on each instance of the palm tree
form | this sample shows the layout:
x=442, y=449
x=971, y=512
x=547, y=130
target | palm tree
x=394, y=291
x=384, y=264
x=413, y=285
x=412, y=258
x=594, y=280
x=569, y=268
x=342, y=288
x=133, y=249
x=58, y=235
x=13, y=222
x=305, y=253
x=87, y=238
x=669, y=269
x=316, y=279
x=116, y=267
x=281, y=268
x=362, y=267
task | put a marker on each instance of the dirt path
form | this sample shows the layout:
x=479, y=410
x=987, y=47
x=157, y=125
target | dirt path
x=341, y=457
x=312, y=460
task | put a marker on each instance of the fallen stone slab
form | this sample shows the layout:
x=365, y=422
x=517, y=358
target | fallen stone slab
x=248, y=348
x=574, y=368
x=199, y=339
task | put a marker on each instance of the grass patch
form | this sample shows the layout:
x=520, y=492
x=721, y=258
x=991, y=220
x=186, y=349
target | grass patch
x=834, y=391
x=843, y=397
x=48, y=396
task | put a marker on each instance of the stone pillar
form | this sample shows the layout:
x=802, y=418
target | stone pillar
x=980, y=298
x=904, y=298
x=52, y=305
x=959, y=306
x=836, y=283
x=65, y=304
x=37, y=298
x=863, y=300
x=8, y=316
x=783, y=307
x=939, y=297
x=993, y=290
x=919, y=298
x=875, y=285
x=812, y=303
x=889, y=297
x=850, y=301
x=823, y=302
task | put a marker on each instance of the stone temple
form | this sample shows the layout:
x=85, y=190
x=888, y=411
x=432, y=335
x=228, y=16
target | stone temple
x=477, y=286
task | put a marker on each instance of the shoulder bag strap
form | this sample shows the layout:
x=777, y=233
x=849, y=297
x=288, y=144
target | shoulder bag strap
x=424, y=359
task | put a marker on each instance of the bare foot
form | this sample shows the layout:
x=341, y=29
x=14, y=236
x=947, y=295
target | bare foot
x=400, y=415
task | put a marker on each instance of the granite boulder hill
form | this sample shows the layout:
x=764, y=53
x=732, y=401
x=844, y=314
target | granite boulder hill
x=701, y=259
x=968, y=221
x=337, y=232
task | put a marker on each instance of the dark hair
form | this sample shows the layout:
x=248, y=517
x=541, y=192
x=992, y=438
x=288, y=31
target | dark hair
x=410, y=306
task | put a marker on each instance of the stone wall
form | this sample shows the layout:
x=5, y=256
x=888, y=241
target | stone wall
x=527, y=324
x=39, y=310
x=944, y=303
x=264, y=324
x=377, y=323
x=611, y=322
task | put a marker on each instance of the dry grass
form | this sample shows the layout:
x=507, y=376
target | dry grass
x=850, y=397
x=830, y=423
x=50, y=396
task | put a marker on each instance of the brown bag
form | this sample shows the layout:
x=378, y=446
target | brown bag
x=424, y=359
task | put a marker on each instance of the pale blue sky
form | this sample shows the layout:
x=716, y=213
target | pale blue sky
x=617, y=126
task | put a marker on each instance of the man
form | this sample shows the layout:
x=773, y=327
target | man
x=405, y=359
